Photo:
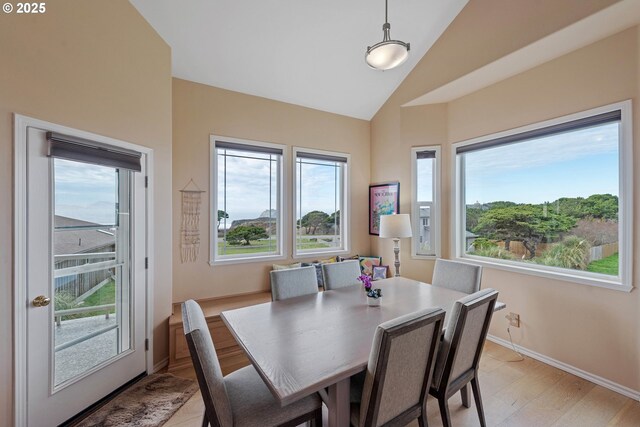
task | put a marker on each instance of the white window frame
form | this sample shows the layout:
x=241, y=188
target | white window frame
x=436, y=210
x=345, y=214
x=624, y=280
x=214, y=257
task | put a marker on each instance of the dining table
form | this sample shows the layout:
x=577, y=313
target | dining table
x=314, y=343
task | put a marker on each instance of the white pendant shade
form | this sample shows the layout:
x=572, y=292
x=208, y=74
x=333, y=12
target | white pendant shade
x=387, y=55
x=396, y=226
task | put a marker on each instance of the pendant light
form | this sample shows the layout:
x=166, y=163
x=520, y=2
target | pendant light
x=388, y=53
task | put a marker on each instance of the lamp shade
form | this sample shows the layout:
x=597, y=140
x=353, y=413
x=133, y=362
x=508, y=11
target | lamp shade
x=395, y=226
x=387, y=55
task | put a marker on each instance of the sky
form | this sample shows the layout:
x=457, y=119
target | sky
x=248, y=186
x=575, y=164
x=86, y=192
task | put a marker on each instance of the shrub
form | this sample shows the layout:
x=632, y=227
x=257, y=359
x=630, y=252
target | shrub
x=572, y=253
x=483, y=243
x=494, y=252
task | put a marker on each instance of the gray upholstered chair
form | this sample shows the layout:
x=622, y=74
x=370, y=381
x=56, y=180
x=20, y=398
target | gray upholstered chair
x=459, y=354
x=457, y=276
x=399, y=371
x=241, y=398
x=340, y=274
x=293, y=282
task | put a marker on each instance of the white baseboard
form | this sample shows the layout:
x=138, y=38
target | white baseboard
x=160, y=365
x=625, y=391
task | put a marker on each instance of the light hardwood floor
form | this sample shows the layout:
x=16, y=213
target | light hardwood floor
x=526, y=393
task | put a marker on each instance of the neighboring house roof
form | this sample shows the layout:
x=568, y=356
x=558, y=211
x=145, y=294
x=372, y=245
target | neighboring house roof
x=73, y=241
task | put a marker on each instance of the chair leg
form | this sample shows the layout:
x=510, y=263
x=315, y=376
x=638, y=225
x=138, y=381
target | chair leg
x=205, y=421
x=444, y=411
x=465, y=394
x=422, y=419
x=317, y=420
x=478, y=399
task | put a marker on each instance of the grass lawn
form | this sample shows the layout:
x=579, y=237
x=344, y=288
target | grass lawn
x=263, y=246
x=104, y=295
x=607, y=265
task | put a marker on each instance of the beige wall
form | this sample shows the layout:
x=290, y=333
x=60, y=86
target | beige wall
x=199, y=111
x=99, y=67
x=590, y=328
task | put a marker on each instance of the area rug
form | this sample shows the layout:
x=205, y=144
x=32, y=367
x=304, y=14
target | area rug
x=148, y=403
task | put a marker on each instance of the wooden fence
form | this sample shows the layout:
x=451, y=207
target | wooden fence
x=595, y=253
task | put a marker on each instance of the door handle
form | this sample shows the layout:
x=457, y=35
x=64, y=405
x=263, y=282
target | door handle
x=41, y=301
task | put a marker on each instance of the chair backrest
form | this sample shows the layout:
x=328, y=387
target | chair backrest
x=457, y=276
x=400, y=368
x=293, y=282
x=207, y=367
x=340, y=274
x=464, y=338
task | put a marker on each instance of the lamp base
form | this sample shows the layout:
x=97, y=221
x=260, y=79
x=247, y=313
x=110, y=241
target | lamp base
x=396, y=251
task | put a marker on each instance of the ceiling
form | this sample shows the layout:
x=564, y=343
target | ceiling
x=308, y=53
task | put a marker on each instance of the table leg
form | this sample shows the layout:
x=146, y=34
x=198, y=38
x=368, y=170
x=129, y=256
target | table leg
x=338, y=404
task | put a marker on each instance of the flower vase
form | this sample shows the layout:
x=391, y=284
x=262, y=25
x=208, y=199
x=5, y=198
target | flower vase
x=373, y=302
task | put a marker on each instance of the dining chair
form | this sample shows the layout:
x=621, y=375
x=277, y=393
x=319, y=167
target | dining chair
x=456, y=275
x=293, y=282
x=460, y=350
x=399, y=371
x=241, y=398
x=340, y=274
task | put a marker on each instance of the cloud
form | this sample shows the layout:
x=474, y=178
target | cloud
x=544, y=151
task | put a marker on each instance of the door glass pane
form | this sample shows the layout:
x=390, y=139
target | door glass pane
x=91, y=246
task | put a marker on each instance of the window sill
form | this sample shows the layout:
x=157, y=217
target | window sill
x=244, y=260
x=549, y=272
x=431, y=257
x=303, y=255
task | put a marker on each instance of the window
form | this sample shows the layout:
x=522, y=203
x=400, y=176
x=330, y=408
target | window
x=425, y=162
x=322, y=214
x=247, y=200
x=552, y=199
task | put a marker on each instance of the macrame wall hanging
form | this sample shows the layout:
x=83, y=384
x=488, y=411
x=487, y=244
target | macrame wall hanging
x=190, y=228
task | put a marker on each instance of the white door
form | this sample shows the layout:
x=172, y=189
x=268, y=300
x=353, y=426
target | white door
x=86, y=279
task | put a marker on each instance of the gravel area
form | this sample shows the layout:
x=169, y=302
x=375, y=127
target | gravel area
x=85, y=355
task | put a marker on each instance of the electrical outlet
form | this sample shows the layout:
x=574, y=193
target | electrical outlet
x=514, y=319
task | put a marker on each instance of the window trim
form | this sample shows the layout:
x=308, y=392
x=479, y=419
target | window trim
x=214, y=258
x=437, y=208
x=624, y=280
x=345, y=213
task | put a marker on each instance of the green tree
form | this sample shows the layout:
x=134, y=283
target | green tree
x=243, y=234
x=603, y=206
x=501, y=204
x=529, y=224
x=222, y=215
x=333, y=219
x=472, y=216
x=312, y=220
x=598, y=206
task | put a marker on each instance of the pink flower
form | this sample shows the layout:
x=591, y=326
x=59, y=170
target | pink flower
x=366, y=281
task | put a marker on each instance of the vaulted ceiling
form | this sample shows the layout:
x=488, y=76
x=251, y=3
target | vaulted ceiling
x=308, y=53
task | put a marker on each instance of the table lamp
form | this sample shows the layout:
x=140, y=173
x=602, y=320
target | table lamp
x=396, y=227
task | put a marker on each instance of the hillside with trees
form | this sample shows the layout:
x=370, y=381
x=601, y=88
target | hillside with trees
x=566, y=228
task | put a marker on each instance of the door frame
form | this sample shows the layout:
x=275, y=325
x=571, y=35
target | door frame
x=21, y=302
